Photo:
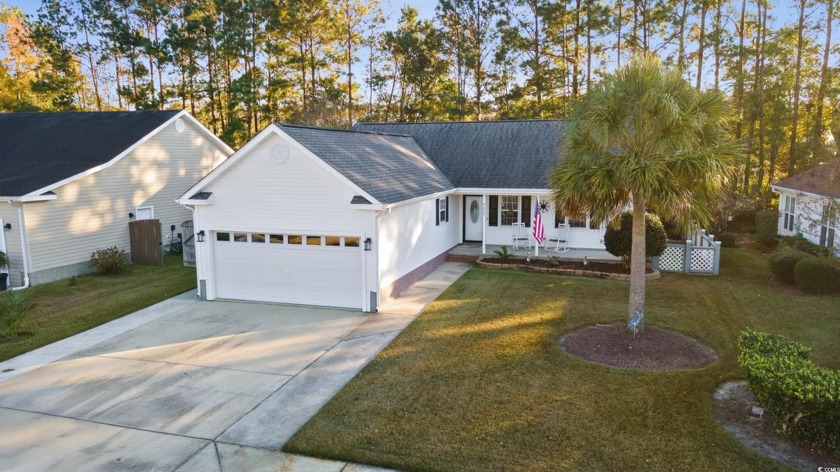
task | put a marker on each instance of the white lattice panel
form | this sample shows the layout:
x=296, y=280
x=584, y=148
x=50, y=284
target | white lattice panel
x=671, y=259
x=702, y=259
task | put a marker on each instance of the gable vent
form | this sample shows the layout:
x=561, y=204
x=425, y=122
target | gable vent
x=279, y=154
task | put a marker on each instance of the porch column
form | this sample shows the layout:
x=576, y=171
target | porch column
x=483, y=224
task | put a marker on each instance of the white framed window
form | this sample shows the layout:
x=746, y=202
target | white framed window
x=828, y=226
x=144, y=213
x=442, y=209
x=509, y=209
x=788, y=210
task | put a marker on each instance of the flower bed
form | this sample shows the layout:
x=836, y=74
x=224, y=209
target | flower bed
x=603, y=270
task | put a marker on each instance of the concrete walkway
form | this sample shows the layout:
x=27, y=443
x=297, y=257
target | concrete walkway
x=187, y=385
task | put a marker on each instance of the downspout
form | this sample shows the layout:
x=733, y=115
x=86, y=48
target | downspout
x=22, y=245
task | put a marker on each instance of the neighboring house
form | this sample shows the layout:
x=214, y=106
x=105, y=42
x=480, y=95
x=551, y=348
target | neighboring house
x=71, y=182
x=350, y=218
x=809, y=205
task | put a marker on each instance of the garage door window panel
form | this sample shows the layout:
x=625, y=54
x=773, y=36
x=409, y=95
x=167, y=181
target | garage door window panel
x=295, y=239
x=276, y=239
x=333, y=241
x=351, y=241
x=240, y=237
x=222, y=236
x=257, y=238
x=313, y=240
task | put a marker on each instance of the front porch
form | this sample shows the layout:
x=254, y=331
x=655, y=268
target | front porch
x=473, y=251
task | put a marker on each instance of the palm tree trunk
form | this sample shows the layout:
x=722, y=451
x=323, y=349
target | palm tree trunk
x=637, y=259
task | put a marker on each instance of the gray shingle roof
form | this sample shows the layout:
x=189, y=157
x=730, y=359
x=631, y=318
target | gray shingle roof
x=486, y=154
x=40, y=149
x=390, y=168
x=823, y=179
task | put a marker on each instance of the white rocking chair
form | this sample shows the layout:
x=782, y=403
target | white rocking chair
x=521, y=236
x=559, y=242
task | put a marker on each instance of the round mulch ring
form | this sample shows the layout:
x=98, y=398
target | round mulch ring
x=655, y=349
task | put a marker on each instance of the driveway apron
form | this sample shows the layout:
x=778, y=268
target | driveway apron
x=205, y=386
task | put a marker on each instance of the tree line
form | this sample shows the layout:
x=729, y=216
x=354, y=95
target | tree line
x=239, y=65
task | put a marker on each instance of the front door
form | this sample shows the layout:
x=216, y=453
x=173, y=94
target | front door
x=473, y=222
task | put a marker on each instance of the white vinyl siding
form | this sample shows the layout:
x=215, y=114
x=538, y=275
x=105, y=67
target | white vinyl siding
x=295, y=198
x=408, y=237
x=9, y=215
x=92, y=212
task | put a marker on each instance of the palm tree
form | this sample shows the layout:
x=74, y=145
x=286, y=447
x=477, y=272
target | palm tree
x=643, y=137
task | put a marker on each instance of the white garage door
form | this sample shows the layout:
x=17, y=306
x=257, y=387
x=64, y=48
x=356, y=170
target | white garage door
x=289, y=268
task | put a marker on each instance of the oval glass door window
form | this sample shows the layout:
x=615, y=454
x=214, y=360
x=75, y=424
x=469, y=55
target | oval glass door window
x=474, y=211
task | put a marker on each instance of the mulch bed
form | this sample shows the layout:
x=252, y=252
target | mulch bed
x=733, y=404
x=607, y=267
x=653, y=349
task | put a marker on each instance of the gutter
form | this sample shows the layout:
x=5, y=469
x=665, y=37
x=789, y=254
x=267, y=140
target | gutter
x=22, y=245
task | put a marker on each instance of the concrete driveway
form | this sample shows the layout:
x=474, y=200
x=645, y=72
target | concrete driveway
x=192, y=386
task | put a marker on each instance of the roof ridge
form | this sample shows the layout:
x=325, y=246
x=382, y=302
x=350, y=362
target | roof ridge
x=343, y=130
x=537, y=120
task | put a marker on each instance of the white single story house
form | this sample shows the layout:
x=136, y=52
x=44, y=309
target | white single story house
x=70, y=182
x=809, y=205
x=350, y=218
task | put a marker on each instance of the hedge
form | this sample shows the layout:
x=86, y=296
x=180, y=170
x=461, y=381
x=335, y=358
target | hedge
x=802, y=399
x=817, y=275
x=766, y=226
x=783, y=262
x=802, y=244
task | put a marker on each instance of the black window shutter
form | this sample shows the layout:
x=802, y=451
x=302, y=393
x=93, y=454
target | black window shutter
x=494, y=210
x=525, y=213
x=447, y=208
x=437, y=212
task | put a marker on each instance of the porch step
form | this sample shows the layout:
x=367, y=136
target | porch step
x=469, y=258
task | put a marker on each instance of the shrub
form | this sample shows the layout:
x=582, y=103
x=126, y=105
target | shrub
x=108, y=261
x=802, y=244
x=766, y=226
x=726, y=239
x=14, y=306
x=817, y=275
x=619, y=241
x=4, y=260
x=783, y=261
x=803, y=399
x=503, y=253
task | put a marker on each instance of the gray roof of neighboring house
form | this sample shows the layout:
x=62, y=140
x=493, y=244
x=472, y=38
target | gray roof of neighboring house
x=823, y=179
x=42, y=148
x=388, y=167
x=486, y=154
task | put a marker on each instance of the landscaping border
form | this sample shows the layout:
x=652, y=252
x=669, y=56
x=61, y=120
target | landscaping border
x=560, y=271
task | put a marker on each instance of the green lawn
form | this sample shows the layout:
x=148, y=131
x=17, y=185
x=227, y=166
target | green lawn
x=62, y=309
x=478, y=382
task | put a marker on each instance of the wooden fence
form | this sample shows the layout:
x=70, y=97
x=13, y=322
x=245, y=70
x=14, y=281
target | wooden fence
x=188, y=235
x=144, y=236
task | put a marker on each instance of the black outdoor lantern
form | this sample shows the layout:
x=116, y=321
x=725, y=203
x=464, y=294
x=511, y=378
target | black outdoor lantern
x=7, y=226
x=367, y=244
x=200, y=236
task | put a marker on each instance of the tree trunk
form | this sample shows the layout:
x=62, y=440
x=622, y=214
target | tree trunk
x=797, y=84
x=637, y=259
x=718, y=39
x=701, y=41
x=681, y=38
x=739, y=81
x=818, y=118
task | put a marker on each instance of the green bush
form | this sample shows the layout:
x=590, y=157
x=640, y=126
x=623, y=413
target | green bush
x=783, y=261
x=766, y=226
x=726, y=239
x=802, y=398
x=108, y=261
x=619, y=241
x=14, y=306
x=4, y=260
x=817, y=275
x=802, y=244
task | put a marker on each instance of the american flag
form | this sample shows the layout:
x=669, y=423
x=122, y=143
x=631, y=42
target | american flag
x=539, y=231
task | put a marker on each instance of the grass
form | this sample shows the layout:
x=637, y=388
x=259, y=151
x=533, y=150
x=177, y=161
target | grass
x=64, y=308
x=478, y=381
